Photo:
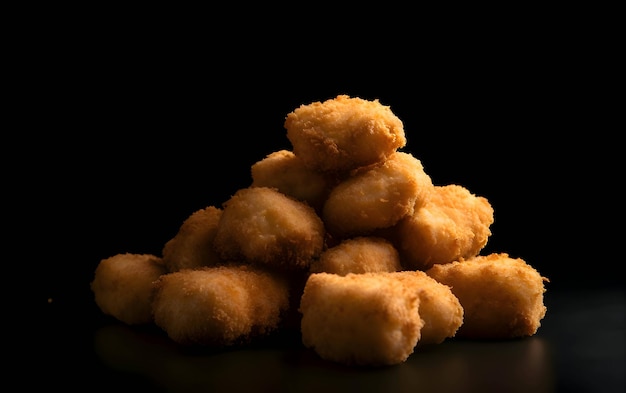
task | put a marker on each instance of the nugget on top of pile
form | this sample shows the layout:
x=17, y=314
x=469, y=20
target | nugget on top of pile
x=346, y=238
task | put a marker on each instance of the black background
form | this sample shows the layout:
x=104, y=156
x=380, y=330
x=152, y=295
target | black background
x=137, y=138
x=125, y=131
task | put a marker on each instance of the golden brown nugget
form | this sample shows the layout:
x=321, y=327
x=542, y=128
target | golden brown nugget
x=219, y=306
x=378, y=197
x=453, y=223
x=122, y=286
x=502, y=297
x=440, y=309
x=358, y=255
x=260, y=225
x=192, y=246
x=287, y=173
x=344, y=133
x=364, y=319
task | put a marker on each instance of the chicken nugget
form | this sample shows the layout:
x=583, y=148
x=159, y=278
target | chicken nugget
x=219, y=306
x=453, y=223
x=440, y=309
x=366, y=319
x=502, y=297
x=261, y=225
x=344, y=133
x=192, y=246
x=287, y=173
x=378, y=197
x=358, y=255
x=122, y=286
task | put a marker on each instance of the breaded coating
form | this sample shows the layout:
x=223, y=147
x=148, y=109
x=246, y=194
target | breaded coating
x=377, y=197
x=453, y=223
x=287, y=173
x=344, y=133
x=343, y=239
x=358, y=255
x=261, y=225
x=122, y=286
x=440, y=309
x=502, y=297
x=219, y=306
x=366, y=319
x=192, y=246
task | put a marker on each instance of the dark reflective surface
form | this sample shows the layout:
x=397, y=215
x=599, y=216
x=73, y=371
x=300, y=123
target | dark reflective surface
x=579, y=347
x=521, y=365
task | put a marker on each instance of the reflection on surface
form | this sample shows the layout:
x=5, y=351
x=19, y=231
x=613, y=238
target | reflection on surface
x=149, y=358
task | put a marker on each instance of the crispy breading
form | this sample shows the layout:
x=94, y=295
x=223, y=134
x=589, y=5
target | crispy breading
x=192, y=246
x=122, y=286
x=502, y=297
x=344, y=133
x=453, y=223
x=287, y=173
x=358, y=255
x=344, y=237
x=440, y=309
x=377, y=197
x=260, y=225
x=360, y=319
x=219, y=306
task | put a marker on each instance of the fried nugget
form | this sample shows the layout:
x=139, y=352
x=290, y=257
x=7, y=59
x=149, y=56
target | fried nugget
x=358, y=255
x=261, y=225
x=502, y=297
x=366, y=319
x=344, y=133
x=377, y=197
x=453, y=223
x=192, y=246
x=287, y=173
x=440, y=309
x=219, y=306
x=122, y=286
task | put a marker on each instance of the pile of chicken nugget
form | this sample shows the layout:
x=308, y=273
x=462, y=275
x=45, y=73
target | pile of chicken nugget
x=344, y=237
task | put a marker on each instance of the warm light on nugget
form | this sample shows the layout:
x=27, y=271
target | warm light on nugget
x=360, y=319
x=440, y=309
x=377, y=197
x=502, y=297
x=358, y=255
x=122, y=286
x=260, y=225
x=219, y=306
x=192, y=246
x=452, y=224
x=287, y=173
x=344, y=133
